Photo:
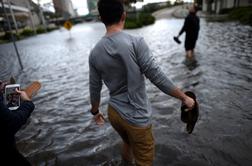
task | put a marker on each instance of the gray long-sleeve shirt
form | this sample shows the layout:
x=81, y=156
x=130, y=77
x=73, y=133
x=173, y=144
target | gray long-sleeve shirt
x=121, y=61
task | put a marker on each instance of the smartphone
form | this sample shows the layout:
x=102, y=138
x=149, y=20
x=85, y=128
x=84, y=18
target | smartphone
x=12, y=98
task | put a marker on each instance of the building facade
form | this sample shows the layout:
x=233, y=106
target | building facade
x=25, y=12
x=92, y=7
x=64, y=8
x=216, y=6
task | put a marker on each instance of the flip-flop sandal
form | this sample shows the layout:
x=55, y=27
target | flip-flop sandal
x=190, y=117
x=176, y=39
x=33, y=89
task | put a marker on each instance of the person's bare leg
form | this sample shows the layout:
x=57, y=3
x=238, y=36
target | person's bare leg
x=190, y=55
x=187, y=55
x=193, y=57
x=127, y=153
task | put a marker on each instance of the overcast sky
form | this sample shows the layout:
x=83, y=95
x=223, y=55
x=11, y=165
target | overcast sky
x=81, y=5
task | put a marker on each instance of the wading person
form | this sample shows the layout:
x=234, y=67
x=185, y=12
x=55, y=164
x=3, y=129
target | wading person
x=10, y=123
x=121, y=61
x=191, y=28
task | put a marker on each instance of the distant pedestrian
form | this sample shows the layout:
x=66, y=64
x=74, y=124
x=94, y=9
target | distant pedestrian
x=122, y=62
x=191, y=28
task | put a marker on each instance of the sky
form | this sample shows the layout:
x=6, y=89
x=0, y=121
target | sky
x=81, y=5
x=140, y=4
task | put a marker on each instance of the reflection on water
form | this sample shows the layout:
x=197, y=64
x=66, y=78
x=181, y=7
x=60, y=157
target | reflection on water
x=61, y=130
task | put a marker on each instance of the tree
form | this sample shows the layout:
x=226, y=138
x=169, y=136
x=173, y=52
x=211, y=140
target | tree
x=131, y=1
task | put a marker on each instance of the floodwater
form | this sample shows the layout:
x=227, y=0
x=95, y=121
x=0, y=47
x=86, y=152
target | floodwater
x=61, y=130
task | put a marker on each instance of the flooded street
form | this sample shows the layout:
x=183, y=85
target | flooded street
x=61, y=130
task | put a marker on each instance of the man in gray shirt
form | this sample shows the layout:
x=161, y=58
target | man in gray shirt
x=121, y=61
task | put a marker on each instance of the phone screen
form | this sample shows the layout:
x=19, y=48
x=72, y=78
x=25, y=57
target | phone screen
x=12, y=97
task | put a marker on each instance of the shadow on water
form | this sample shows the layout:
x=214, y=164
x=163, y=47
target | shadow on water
x=61, y=130
x=191, y=64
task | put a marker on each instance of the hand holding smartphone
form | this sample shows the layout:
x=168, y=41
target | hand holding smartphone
x=12, y=98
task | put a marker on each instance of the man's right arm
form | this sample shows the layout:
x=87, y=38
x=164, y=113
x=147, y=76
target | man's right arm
x=183, y=29
x=95, y=85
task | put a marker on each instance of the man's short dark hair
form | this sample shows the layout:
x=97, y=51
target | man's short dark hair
x=110, y=11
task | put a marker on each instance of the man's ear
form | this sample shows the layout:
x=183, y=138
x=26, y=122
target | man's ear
x=124, y=15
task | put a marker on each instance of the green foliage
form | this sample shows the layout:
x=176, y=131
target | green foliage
x=146, y=18
x=52, y=15
x=132, y=23
x=40, y=30
x=75, y=21
x=27, y=32
x=225, y=11
x=140, y=19
x=178, y=3
x=7, y=36
x=52, y=29
x=243, y=14
x=152, y=7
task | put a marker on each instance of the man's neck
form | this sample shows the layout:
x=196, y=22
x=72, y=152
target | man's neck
x=114, y=28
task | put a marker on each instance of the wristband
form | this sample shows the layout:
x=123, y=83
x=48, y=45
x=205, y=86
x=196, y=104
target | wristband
x=94, y=113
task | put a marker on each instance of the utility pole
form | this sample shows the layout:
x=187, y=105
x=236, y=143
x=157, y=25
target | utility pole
x=209, y=6
x=30, y=15
x=13, y=16
x=42, y=16
x=215, y=6
x=238, y=3
x=12, y=37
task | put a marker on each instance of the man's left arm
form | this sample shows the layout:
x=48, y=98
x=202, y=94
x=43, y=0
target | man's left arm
x=153, y=72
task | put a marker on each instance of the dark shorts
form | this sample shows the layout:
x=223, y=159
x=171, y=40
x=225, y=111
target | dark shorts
x=140, y=139
x=190, y=44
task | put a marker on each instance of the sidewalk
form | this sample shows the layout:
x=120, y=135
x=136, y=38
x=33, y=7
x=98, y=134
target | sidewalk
x=177, y=12
x=181, y=12
x=165, y=13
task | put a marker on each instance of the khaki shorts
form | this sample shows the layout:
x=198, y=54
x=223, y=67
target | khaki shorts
x=140, y=139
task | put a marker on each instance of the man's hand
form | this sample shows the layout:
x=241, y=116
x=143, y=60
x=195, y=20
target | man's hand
x=186, y=100
x=189, y=102
x=23, y=95
x=99, y=119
